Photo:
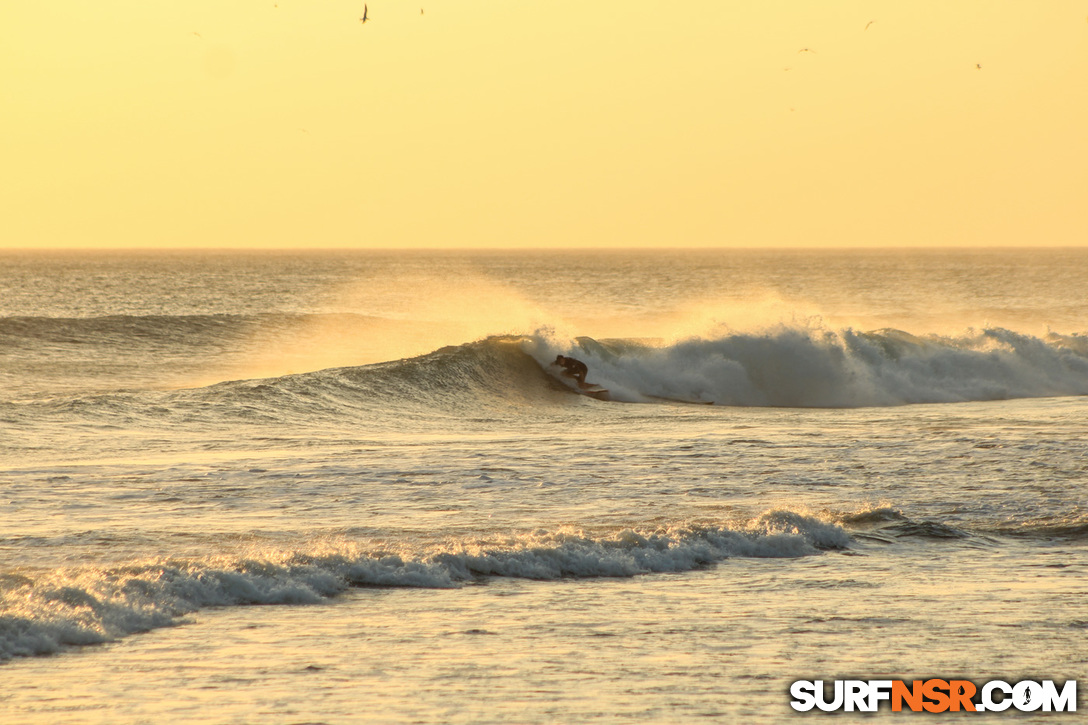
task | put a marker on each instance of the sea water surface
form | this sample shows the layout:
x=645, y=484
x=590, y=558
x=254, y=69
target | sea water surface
x=347, y=486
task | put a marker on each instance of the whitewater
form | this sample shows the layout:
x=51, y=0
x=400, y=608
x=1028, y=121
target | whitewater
x=833, y=464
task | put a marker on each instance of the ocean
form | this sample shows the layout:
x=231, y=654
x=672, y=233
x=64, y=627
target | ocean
x=350, y=487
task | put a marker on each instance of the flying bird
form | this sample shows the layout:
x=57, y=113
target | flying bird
x=806, y=50
x=364, y=18
x=869, y=23
x=978, y=66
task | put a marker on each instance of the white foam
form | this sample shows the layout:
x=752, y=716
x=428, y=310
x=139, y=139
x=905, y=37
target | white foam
x=49, y=611
x=810, y=366
x=630, y=553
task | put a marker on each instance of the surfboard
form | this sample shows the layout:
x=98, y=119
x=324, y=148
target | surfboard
x=595, y=391
x=683, y=401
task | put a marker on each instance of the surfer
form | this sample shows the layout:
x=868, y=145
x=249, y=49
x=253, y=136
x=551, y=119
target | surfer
x=573, y=368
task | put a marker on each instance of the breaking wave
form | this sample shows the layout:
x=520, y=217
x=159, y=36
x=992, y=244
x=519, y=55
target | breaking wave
x=804, y=367
x=789, y=366
x=46, y=612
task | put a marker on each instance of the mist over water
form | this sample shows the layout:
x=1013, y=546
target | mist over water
x=212, y=316
x=801, y=453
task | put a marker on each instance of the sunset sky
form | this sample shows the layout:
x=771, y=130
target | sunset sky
x=519, y=123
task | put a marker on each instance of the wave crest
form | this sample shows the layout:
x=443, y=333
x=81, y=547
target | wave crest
x=46, y=612
x=815, y=367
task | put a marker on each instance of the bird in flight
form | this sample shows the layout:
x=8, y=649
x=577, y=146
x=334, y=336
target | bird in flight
x=869, y=23
x=806, y=50
x=978, y=66
x=364, y=18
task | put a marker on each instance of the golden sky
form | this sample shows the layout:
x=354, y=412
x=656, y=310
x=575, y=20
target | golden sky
x=520, y=123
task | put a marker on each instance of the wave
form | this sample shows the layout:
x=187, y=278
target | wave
x=782, y=367
x=47, y=612
x=807, y=367
x=886, y=524
x=486, y=378
x=786, y=367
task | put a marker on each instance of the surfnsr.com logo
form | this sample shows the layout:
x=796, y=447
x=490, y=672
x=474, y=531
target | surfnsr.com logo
x=934, y=696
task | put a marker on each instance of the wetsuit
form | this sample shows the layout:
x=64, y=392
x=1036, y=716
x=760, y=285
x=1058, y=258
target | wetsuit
x=573, y=368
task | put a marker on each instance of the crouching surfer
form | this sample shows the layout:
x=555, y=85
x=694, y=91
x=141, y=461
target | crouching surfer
x=576, y=370
x=573, y=369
